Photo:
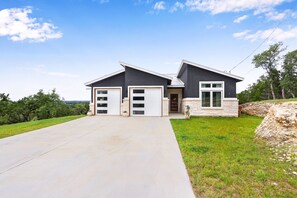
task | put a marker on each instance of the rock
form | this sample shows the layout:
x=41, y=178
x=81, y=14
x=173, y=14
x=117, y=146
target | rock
x=280, y=124
x=256, y=108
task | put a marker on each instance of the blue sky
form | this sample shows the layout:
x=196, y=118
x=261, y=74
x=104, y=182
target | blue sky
x=62, y=44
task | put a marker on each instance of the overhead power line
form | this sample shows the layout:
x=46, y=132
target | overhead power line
x=266, y=39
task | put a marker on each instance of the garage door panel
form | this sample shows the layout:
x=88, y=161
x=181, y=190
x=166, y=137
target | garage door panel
x=108, y=101
x=146, y=101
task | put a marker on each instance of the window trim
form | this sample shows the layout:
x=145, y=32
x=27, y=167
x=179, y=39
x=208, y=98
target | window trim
x=211, y=90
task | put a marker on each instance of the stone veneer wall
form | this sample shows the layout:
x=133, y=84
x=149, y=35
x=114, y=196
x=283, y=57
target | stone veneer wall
x=165, y=106
x=125, y=107
x=230, y=108
x=91, y=108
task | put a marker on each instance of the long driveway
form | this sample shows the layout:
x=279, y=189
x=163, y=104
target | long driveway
x=95, y=157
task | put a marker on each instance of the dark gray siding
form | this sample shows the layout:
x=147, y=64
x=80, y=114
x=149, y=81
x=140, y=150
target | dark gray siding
x=113, y=81
x=194, y=75
x=138, y=78
x=184, y=77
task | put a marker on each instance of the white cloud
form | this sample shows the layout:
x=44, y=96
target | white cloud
x=274, y=15
x=160, y=5
x=240, y=19
x=176, y=6
x=278, y=34
x=40, y=69
x=220, y=6
x=18, y=26
x=216, y=26
x=241, y=34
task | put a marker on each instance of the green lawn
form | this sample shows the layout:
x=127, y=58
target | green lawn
x=14, y=129
x=224, y=160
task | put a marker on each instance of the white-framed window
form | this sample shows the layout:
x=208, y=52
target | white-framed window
x=211, y=94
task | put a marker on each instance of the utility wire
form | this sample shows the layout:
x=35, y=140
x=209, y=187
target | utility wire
x=256, y=47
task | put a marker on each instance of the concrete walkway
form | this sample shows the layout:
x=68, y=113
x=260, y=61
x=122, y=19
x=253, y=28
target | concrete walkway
x=95, y=157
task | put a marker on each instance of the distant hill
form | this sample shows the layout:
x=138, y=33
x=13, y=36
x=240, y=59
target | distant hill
x=76, y=101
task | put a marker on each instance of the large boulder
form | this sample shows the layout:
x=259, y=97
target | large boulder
x=256, y=108
x=280, y=124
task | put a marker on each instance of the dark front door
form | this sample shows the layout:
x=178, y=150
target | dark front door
x=174, y=102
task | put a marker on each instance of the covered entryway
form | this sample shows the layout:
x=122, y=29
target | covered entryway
x=145, y=101
x=107, y=101
x=175, y=99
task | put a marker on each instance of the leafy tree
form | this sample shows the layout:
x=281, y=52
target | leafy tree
x=289, y=73
x=268, y=60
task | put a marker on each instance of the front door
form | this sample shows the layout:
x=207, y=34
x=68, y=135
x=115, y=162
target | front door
x=174, y=102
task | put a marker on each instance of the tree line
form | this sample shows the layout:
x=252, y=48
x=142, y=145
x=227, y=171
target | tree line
x=36, y=107
x=276, y=83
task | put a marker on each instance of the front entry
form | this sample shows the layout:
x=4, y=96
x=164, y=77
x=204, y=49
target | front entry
x=173, y=102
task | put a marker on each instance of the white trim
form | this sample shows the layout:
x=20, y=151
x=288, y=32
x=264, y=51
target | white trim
x=105, y=88
x=145, y=70
x=177, y=86
x=104, y=77
x=231, y=99
x=209, y=69
x=211, y=90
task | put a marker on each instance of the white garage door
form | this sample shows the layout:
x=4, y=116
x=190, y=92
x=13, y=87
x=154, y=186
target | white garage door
x=108, y=101
x=145, y=101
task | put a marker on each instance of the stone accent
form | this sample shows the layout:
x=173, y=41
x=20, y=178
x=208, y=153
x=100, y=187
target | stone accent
x=91, y=109
x=165, y=107
x=125, y=108
x=229, y=108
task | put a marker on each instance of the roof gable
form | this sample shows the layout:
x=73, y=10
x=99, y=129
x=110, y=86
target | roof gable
x=104, y=77
x=184, y=62
x=145, y=70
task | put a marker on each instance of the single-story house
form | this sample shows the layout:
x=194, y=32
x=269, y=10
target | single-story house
x=135, y=91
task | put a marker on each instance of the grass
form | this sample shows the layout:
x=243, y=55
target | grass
x=224, y=159
x=14, y=129
x=279, y=100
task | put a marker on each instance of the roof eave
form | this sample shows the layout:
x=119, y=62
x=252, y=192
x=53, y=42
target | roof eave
x=104, y=77
x=145, y=70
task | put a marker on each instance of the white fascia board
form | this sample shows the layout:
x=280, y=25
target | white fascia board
x=145, y=70
x=104, y=77
x=209, y=69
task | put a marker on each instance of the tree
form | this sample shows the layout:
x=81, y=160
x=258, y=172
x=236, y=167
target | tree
x=268, y=60
x=289, y=73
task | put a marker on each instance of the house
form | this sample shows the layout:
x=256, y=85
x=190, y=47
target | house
x=135, y=91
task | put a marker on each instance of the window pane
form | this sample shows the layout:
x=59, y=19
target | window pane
x=138, y=98
x=217, y=85
x=138, y=90
x=102, y=92
x=102, y=98
x=138, y=105
x=205, y=85
x=216, y=99
x=102, y=105
x=205, y=99
x=101, y=111
x=138, y=112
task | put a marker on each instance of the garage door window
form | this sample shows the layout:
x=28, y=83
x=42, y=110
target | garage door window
x=102, y=92
x=102, y=111
x=138, y=112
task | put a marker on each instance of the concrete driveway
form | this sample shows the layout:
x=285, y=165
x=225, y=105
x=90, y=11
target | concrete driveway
x=95, y=157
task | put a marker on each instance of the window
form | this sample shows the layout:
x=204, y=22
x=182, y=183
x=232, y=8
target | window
x=138, y=105
x=138, y=91
x=102, y=105
x=138, y=112
x=102, y=92
x=101, y=111
x=102, y=98
x=138, y=98
x=211, y=94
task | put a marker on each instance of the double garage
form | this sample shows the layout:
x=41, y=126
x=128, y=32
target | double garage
x=143, y=101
